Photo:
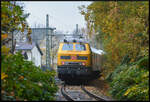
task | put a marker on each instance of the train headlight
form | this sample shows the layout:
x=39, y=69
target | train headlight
x=83, y=63
x=63, y=63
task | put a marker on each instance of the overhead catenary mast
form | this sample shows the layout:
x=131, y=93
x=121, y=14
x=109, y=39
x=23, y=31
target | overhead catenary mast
x=47, y=44
x=48, y=41
x=76, y=29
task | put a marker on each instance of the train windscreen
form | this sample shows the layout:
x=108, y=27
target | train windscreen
x=67, y=47
x=80, y=47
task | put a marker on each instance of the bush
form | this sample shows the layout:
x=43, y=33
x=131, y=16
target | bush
x=131, y=82
x=22, y=80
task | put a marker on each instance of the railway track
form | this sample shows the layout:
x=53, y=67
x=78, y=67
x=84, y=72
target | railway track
x=92, y=96
x=65, y=94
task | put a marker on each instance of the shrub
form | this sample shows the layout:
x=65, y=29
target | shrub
x=22, y=80
x=131, y=82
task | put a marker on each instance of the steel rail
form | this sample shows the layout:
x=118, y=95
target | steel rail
x=68, y=97
x=64, y=93
x=98, y=98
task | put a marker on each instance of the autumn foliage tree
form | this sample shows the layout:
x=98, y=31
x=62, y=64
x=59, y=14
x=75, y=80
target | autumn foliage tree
x=12, y=19
x=21, y=80
x=122, y=28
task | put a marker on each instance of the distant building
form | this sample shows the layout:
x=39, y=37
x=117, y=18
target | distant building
x=31, y=52
x=37, y=35
x=20, y=37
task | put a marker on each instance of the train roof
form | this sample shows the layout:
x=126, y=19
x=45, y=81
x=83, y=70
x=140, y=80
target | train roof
x=74, y=40
x=97, y=51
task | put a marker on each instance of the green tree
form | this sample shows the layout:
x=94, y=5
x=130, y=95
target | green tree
x=12, y=19
x=21, y=79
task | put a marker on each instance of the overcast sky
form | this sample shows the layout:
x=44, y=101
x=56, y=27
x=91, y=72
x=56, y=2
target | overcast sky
x=62, y=15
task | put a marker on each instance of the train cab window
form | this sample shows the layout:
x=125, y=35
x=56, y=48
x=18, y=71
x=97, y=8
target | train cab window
x=67, y=47
x=80, y=47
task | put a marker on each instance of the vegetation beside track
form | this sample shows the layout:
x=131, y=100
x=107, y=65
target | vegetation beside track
x=21, y=79
x=121, y=29
x=131, y=81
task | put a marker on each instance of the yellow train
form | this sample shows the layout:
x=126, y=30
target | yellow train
x=76, y=59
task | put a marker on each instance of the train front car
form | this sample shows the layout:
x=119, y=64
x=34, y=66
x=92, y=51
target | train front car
x=74, y=60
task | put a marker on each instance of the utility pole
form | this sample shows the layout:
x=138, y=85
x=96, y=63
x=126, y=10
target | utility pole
x=51, y=62
x=47, y=44
x=76, y=29
x=48, y=41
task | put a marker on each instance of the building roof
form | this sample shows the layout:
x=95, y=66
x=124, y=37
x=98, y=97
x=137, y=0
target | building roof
x=97, y=51
x=27, y=46
x=24, y=46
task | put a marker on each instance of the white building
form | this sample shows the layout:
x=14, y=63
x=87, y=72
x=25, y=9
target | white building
x=31, y=52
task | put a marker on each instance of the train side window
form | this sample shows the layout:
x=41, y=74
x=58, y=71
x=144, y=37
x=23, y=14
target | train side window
x=80, y=47
x=67, y=47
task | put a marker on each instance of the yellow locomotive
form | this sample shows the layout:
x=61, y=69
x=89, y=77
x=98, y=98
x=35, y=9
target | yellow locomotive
x=74, y=60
